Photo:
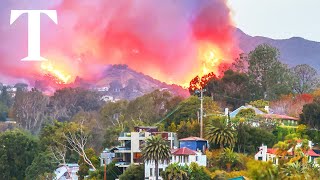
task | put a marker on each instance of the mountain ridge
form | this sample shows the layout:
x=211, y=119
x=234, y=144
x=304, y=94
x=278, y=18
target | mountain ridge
x=293, y=51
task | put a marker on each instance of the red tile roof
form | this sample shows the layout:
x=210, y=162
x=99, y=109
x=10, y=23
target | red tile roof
x=312, y=153
x=184, y=151
x=279, y=116
x=271, y=151
x=192, y=139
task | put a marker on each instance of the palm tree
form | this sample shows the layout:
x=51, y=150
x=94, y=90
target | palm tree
x=221, y=134
x=156, y=150
x=175, y=172
x=228, y=157
x=294, y=171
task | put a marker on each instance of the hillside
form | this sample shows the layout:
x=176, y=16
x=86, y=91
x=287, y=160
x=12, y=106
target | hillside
x=125, y=83
x=293, y=51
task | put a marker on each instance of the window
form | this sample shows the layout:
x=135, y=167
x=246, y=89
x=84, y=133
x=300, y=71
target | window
x=197, y=158
x=151, y=172
x=260, y=158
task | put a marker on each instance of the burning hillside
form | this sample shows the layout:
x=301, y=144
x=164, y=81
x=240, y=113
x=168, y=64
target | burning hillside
x=173, y=41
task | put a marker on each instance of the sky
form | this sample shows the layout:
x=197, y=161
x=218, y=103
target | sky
x=278, y=19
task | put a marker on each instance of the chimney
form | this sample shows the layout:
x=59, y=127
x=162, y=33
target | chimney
x=226, y=111
x=267, y=109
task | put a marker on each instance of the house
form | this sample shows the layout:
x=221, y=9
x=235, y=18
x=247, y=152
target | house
x=194, y=143
x=267, y=154
x=270, y=154
x=185, y=156
x=131, y=142
x=107, y=156
x=191, y=150
x=256, y=110
x=67, y=172
x=266, y=116
x=282, y=119
x=107, y=98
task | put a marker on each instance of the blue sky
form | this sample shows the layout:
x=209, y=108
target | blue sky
x=278, y=19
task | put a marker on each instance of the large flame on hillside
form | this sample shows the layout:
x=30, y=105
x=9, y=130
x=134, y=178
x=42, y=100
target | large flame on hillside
x=210, y=57
x=60, y=76
x=213, y=64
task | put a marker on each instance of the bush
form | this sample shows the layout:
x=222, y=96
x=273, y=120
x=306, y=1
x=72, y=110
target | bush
x=133, y=172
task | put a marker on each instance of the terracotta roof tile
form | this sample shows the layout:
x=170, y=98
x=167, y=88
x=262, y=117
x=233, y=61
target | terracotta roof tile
x=184, y=151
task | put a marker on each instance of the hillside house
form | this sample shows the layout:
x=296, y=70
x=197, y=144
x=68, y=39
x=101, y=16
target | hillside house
x=270, y=154
x=131, y=143
x=191, y=150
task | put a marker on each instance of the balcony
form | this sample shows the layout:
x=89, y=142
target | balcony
x=123, y=150
x=122, y=164
x=124, y=136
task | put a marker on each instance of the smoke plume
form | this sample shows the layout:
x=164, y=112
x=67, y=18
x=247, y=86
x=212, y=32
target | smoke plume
x=158, y=38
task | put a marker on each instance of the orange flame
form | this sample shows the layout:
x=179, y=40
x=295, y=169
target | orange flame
x=210, y=57
x=61, y=76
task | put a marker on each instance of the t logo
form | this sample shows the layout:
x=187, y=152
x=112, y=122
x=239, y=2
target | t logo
x=33, y=30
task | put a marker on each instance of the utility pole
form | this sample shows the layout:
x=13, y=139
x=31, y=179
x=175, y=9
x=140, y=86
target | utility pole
x=201, y=113
x=105, y=170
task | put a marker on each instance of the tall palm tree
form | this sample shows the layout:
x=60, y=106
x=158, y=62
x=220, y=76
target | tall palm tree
x=220, y=134
x=156, y=150
x=175, y=172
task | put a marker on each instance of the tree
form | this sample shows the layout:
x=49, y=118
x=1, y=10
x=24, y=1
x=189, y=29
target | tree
x=83, y=166
x=198, y=172
x=3, y=111
x=67, y=102
x=242, y=137
x=134, y=172
x=192, y=126
x=5, y=97
x=291, y=104
x=268, y=77
x=247, y=113
x=232, y=88
x=156, y=150
x=292, y=171
x=289, y=147
x=112, y=172
x=250, y=138
x=30, y=109
x=77, y=137
x=175, y=172
x=93, y=121
x=221, y=134
x=17, y=151
x=241, y=63
x=260, y=170
x=43, y=164
x=260, y=104
x=228, y=158
x=311, y=115
x=188, y=109
x=305, y=78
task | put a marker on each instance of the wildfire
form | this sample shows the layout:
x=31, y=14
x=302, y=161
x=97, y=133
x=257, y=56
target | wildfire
x=60, y=76
x=211, y=58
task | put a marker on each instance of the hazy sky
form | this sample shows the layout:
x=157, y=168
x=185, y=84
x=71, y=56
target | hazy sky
x=278, y=18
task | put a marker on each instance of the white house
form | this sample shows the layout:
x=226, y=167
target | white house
x=67, y=172
x=182, y=156
x=270, y=154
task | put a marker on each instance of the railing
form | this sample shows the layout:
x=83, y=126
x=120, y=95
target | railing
x=122, y=149
x=125, y=134
x=122, y=163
